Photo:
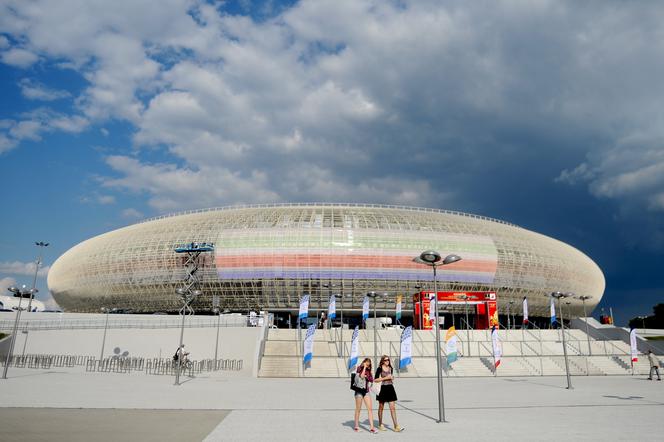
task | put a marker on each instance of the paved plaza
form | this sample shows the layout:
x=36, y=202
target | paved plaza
x=71, y=405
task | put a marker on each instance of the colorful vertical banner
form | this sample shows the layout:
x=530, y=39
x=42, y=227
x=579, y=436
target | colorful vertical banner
x=553, y=312
x=354, y=347
x=433, y=310
x=632, y=345
x=304, y=307
x=309, y=343
x=365, y=308
x=398, y=307
x=451, y=340
x=406, y=350
x=332, y=308
x=525, y=310
x=497, y=347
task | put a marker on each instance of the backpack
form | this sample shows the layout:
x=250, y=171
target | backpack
x=175, y=357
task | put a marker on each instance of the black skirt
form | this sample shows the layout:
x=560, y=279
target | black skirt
x=387, y=394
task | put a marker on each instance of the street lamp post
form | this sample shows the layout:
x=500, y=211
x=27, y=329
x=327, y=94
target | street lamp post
x=374, y=295
x=433, y=259
x=217, y=311
x=464, y=296
x=103, y=340
x=583, y=299
x=509, y=309
x=20, y=292
x=41, y=246
x=341, y=296
x=559, y=296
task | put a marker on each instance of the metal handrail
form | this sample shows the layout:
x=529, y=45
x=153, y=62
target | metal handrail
x=115, y=323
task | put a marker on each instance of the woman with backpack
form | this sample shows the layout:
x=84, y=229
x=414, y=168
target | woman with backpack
x=361, y=386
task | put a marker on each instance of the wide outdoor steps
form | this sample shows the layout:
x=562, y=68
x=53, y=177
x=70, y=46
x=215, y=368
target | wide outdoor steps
x=525, y=353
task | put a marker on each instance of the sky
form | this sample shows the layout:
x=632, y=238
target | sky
x=545, y=114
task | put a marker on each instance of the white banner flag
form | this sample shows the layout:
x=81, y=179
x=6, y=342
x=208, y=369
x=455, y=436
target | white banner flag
x=304, y=307
x=332, y=308
x=354, y=347
x=433, y=310
x=309, y=343
x=553, y=312
x=525, y=310
x=632, y=345
x=365, y=308
x=497, y=347
x=406, y=356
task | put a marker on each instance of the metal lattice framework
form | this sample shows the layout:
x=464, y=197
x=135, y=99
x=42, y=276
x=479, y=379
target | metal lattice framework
x=267, y=256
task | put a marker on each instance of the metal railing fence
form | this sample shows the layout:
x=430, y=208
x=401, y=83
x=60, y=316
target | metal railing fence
x=122, y=323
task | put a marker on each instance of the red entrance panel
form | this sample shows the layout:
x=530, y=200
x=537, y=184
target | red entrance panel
x=484, y=304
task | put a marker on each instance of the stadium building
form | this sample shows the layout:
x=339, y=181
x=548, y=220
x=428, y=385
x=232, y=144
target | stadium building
x=266, y=257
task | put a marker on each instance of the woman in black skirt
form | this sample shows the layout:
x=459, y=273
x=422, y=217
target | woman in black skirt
x=387, y=394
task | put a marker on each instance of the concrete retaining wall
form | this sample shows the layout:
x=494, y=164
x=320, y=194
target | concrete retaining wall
x=234, y=343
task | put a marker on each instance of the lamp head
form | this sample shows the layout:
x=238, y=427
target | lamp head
x=450, y=259
x=196, y=292
x=13, y=289
x=180, y=291
x=430, y=256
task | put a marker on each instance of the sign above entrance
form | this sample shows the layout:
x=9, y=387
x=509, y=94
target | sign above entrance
x=481, y=307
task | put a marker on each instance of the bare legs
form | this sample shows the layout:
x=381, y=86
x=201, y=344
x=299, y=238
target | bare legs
x=367, y=402
x=358, y=407
x=393, y=413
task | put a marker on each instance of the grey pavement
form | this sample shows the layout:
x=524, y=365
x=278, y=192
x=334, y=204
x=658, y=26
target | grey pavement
x=532, y=408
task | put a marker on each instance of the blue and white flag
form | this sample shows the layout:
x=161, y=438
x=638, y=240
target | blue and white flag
x=354, y=347
x=309, y=343
x=553, y=312
x=365, y=308
x=406, y=353
x=525, y=310
x=304, y=307
x=332, y=308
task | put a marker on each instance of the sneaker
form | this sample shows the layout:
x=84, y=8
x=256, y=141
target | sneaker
x=356, y=429
x=381, y=427
x=373, y=431
x=398, y=429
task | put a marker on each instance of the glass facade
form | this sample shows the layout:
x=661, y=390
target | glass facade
x=266, y=257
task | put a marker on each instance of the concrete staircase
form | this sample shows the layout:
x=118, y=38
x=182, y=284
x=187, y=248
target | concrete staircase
x=525, y=353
